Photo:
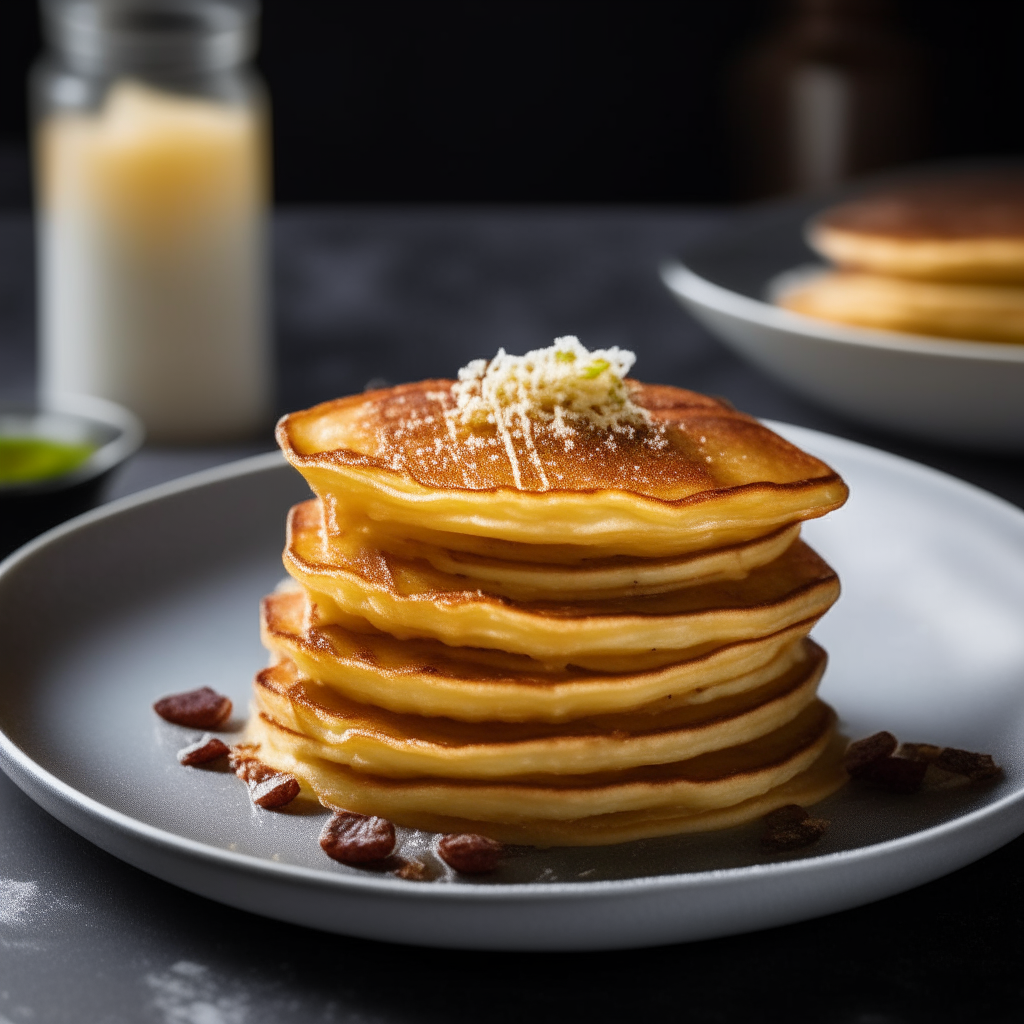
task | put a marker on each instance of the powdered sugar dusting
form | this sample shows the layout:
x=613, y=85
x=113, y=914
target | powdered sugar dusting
x=188, y=993
x=565, y=418
x=27, y=912
x=18, y=901
x=556, y=390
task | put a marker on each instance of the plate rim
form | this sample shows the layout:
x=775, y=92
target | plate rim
x=13, y=757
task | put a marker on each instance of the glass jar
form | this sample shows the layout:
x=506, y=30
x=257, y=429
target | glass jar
x=151, y=164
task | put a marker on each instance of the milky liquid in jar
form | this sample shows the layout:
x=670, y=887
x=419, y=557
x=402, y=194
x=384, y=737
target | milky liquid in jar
x=151, y=216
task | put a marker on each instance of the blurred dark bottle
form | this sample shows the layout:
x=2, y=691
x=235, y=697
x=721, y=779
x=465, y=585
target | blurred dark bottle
x=834, y=90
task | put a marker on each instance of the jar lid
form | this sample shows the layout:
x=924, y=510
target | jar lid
x=151, y=36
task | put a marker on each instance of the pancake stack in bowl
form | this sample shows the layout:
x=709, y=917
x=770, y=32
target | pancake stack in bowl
x=938, y=257
x=551, y=606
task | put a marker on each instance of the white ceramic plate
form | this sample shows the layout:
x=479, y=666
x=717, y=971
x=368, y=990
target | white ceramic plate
x=157, y=593
x=963, y=393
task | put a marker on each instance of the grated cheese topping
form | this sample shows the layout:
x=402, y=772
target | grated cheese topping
x=564, y=382
x=560, y=387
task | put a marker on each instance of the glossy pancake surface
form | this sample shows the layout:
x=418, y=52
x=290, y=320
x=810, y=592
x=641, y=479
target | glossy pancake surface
x=957, y=228
x=384, y=743
x=411, y=599
x=426, y=677
x=592, y=578
x=709, y=781
x=699, y=475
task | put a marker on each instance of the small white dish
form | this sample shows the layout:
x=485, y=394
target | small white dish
x=158, y=593
x=968, y=394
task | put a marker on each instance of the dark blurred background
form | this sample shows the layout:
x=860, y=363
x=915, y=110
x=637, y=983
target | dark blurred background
x=594, y=102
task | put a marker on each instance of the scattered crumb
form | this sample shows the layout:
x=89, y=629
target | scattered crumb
x=790, y=828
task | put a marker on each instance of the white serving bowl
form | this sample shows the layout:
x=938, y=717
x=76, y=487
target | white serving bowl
x=969, y=394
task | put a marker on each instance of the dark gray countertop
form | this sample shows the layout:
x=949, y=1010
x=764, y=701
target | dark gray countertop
x=398, y=295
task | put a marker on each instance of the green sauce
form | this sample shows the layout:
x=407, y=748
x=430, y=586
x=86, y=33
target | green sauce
x=26, y=459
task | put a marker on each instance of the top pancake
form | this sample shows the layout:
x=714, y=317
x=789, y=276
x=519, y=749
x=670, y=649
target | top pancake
x=699, y=475
x=962, y=228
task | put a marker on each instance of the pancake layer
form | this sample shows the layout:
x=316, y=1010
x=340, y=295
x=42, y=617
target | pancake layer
x=700, y=475
x=967, y=228
x=820, y=780
x=412, y=599
x=428, y=678
x=580, y=580
x=384, y=743
x=680, y=790
x=981, y=312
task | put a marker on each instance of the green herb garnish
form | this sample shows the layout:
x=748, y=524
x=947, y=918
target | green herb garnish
x=27, y=459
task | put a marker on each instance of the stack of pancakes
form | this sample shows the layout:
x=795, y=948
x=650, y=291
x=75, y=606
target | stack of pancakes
x=546, y=633
x=939, y=257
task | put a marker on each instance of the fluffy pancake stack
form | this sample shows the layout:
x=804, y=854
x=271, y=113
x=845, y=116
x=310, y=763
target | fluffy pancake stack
x=940, y=257
x=551, y=606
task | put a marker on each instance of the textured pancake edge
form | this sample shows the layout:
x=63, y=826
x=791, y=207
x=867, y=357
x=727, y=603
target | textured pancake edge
x=376, y=747
x=671, y=527
x=536, y=697
x=980, y=259
x=386, y=494
x=819, y=781
x=515, y=802
x=552, y=638
x=981, y=312
x=618, y=577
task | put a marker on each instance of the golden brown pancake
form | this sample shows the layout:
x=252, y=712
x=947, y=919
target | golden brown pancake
x=426, y=677
x=412, y=599
x=551, y=605
x=710, y=781
x=700, y=475
x=589, y=579
x=383, y=743
x=959, y=228
x=974, y=312
x=818, y=781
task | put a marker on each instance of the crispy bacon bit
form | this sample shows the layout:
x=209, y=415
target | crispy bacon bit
x=414, y=871
x=894, y=774
x=790, y=814
x=863, y=753
x=246, y=765
x=927, y=752
x=790, y=827
x=792, y=837
x=357, y=838
x=977, y=767
x=253, y=770
x=870, y=761
x=207, y=748
x=198, y=709
x=469, y=853
x=273, y=792
x=240, y=751
x=268, y=788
